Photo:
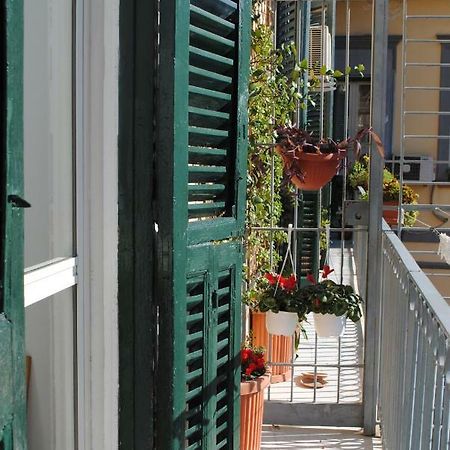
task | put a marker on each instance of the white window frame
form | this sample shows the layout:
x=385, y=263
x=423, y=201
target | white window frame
x=93, y=271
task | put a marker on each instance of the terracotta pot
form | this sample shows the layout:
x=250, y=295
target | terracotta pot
x=390, y=215
x=281, y=347
x=252, y=410
x=317, y=168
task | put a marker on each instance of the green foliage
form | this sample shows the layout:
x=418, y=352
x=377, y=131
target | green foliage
x=328, y=297
x=359, y=176
x=273, y=99
x=268, y=296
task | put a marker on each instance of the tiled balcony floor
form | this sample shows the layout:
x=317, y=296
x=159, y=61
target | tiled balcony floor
x=316, y=438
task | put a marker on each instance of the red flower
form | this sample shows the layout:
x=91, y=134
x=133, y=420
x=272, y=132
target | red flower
x=260, y=363
x=317, y=303
x=272, y=279
x=288, y=283
x=326, y=271
x=250, y=369
x=311, y=278
x=246, y=353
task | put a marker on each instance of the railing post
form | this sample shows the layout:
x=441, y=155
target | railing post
x=374, y=270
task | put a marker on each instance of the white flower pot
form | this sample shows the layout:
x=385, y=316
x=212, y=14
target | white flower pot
x=329, y=325
x=281, y=323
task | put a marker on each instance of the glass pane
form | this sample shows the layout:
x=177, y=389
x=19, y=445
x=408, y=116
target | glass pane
x=50, y=389
x=48, y=129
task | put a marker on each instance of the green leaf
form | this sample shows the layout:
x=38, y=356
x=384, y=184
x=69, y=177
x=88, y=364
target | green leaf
x=323, y=70
x=337, y=74
x=348, y=70
x=304, y=64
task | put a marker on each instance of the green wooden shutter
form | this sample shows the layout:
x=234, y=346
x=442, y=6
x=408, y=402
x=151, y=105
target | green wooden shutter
x=308, y=241
x=12, y=355
x=200, y=206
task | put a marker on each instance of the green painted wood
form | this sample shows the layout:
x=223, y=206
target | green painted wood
x=308, y=241
x=200, y=174
x=12, y=351
x=137, y=306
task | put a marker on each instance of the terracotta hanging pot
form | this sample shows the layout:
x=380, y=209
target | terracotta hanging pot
x=252, y=410
x=329, y=325
x=310, y=171
x=280, y=347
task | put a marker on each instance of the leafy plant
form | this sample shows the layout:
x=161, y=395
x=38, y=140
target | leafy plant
x=276, y=293
x=328, y=297
x=359, y=176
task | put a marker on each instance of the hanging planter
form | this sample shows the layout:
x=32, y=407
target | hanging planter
x=329, y=325
x=310, y=171
x=281, y=323
x=331, y=303
x=311, y=163
x=280, y=347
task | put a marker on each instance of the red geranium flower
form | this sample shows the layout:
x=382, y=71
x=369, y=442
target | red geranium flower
x=288, y=283
x=250, y=369
x=271, y=278
x=326, y=271
x=246, y=353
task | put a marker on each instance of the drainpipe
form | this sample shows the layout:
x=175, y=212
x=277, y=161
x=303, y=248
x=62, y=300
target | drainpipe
x=374, y=270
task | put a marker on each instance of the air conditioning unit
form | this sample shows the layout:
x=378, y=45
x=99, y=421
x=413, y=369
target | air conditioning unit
x=416, y=168
x=320, y=53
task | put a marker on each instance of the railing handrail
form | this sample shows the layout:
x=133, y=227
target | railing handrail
x=423, y=284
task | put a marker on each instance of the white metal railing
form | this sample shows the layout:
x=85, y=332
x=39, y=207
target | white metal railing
x=414, y=369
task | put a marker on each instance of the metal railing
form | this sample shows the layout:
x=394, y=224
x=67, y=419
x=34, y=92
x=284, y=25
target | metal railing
x=414, y=370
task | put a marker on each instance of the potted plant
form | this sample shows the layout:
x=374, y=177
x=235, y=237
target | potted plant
x=331, y=303
x=309, y=162
x=276, y=296
x=254, y=379
x=359, y=176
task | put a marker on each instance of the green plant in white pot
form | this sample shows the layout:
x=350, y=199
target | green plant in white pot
x=331, y=303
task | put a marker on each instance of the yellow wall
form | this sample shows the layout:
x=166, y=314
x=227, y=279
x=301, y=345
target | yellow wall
x=361, y=18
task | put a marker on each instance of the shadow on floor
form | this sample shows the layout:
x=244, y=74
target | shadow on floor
x=316, y=438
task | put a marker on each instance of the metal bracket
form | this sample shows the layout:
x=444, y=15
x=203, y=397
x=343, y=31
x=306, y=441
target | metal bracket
x=356, y=212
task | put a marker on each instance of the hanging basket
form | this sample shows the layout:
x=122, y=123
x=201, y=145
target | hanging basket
x=310, y=171
x=281, y=323
x=280, y=347
x=329, y=325
x=252, y=409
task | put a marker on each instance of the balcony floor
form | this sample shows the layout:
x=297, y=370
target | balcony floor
x=316, y=438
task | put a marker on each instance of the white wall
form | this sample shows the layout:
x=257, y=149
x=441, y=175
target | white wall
x=98, y=250
x=48, y=224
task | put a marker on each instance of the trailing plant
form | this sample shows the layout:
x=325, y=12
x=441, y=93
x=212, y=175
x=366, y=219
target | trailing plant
x=328, y=297
x=275, y=94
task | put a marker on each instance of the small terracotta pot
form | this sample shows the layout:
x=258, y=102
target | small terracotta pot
x=252, y=410
x=281, y=347
x=317, y=168
x=390, y=215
